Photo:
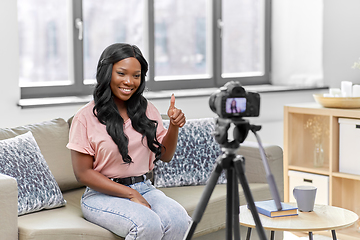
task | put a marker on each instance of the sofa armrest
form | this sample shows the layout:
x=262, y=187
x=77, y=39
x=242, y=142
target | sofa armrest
x=8, y=208
x=254, y=167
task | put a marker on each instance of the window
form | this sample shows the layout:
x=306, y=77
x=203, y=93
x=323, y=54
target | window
x=180, y=38
x=43, y=43
x=104, y=24
x=205, y=45
x=242, y=37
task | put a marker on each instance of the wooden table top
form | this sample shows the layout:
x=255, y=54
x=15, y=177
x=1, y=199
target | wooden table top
x=322, y=218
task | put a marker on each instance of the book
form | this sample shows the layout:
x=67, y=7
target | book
x=269, y=209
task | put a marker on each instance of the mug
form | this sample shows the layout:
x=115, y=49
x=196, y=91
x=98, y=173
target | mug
x=305, y=197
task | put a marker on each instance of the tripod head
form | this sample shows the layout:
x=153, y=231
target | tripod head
x=240, y=132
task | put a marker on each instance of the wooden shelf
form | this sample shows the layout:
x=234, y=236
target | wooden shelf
x=304, y=124
x=321, y=171
x=346, y=176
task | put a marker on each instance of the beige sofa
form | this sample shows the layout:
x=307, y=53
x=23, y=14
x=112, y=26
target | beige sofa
x=68, y=223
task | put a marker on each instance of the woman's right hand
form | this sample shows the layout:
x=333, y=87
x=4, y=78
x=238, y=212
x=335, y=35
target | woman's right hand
x=138, y=198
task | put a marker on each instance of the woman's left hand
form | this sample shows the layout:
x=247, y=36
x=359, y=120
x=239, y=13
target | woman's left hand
x=177, y=117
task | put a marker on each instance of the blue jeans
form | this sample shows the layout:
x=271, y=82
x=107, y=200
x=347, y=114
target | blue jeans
x=166, y=219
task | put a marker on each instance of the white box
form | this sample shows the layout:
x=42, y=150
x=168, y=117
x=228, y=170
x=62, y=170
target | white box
x=349, y=145
x=321, y=182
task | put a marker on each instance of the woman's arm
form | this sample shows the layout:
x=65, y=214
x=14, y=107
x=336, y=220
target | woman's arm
x=177, y=120
x=84, y=173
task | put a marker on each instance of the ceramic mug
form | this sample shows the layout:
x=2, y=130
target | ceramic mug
x=305, y=197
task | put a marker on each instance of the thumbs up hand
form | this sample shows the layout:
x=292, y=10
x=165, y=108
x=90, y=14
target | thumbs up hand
x=177, y=117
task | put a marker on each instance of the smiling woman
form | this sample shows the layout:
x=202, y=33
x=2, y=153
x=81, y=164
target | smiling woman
x=115, y=140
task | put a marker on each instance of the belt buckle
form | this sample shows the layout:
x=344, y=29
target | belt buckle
x=132, y=180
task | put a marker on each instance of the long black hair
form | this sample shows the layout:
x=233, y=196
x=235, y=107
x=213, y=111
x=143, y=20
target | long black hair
x=106, y=110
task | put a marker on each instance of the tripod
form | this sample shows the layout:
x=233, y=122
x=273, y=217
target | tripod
x=234, y=166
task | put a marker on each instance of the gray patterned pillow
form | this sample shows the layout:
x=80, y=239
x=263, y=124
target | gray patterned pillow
x=20, y=157
x=194, y=158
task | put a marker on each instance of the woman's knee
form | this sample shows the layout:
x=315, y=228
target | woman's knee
x=138, y=227
x=147, y=228
x=177, y=229
x=125, y=218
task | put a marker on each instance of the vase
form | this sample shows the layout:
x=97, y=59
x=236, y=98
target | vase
x=318, y=155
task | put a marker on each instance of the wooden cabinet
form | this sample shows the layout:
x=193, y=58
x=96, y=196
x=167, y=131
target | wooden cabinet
x=308, y=127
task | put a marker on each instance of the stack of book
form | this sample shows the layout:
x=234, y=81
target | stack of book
x=269, y=209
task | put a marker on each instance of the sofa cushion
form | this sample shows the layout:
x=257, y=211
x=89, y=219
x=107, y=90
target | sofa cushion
x=67, y=222
x=20, y=158
x=52, y=137
x=194, y=157
x=62, y=223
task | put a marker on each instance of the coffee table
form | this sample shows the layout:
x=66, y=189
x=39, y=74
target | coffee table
x=322, y=218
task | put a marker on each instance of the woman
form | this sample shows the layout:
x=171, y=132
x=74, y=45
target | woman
x=233, y=107
x=115, y=140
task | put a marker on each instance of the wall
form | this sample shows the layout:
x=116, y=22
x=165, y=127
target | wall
x=9, y=90
x=297, y=36
x=315, y=39
x=341, y=41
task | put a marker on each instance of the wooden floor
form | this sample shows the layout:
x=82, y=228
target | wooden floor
x=342, y=234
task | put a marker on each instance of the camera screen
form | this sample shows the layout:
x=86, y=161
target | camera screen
x=235, y=105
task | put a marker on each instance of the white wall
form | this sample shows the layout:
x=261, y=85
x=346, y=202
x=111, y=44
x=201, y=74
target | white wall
x=341, y=41
x=315, y=39
x=9, y=90
x=297, y=36
x=340, y=36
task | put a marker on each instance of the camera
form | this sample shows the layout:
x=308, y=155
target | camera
x=232, y=101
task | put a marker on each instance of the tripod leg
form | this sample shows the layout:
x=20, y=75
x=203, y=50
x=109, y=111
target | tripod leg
x=236, y=210
x=238, y=164
x=205, y=197
x=248, y=235
x=229, y=202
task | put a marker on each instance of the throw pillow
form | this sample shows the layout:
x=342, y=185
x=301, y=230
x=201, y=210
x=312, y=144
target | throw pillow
x=20, y=157
x=51, y=136
x=194, y=157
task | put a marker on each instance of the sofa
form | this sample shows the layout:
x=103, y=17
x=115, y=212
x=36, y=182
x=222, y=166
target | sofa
x=40, y=198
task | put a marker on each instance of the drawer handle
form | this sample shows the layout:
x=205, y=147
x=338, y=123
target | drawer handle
x=357, y=126
x=307, y=180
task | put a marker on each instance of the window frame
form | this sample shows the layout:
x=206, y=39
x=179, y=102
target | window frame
x=213, y=80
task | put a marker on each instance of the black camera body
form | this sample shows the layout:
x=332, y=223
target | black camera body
x=232, y=101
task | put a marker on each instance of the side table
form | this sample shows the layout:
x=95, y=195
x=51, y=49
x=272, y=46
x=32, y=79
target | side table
x=323, y=217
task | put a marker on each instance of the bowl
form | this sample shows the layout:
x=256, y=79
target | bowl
x=337, y=102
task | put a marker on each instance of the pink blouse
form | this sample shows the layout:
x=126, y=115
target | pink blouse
x=89, y=136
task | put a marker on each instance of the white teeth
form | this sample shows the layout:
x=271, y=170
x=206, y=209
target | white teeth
x=126, y=90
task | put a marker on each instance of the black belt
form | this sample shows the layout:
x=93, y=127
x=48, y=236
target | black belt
x=132, y=180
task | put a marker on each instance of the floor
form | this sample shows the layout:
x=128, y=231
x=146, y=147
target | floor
x=287, y=236
x=325, y=235
x=350, y=233
x=291, y=236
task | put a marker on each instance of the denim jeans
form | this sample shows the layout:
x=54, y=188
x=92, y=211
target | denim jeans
x=166, y=219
